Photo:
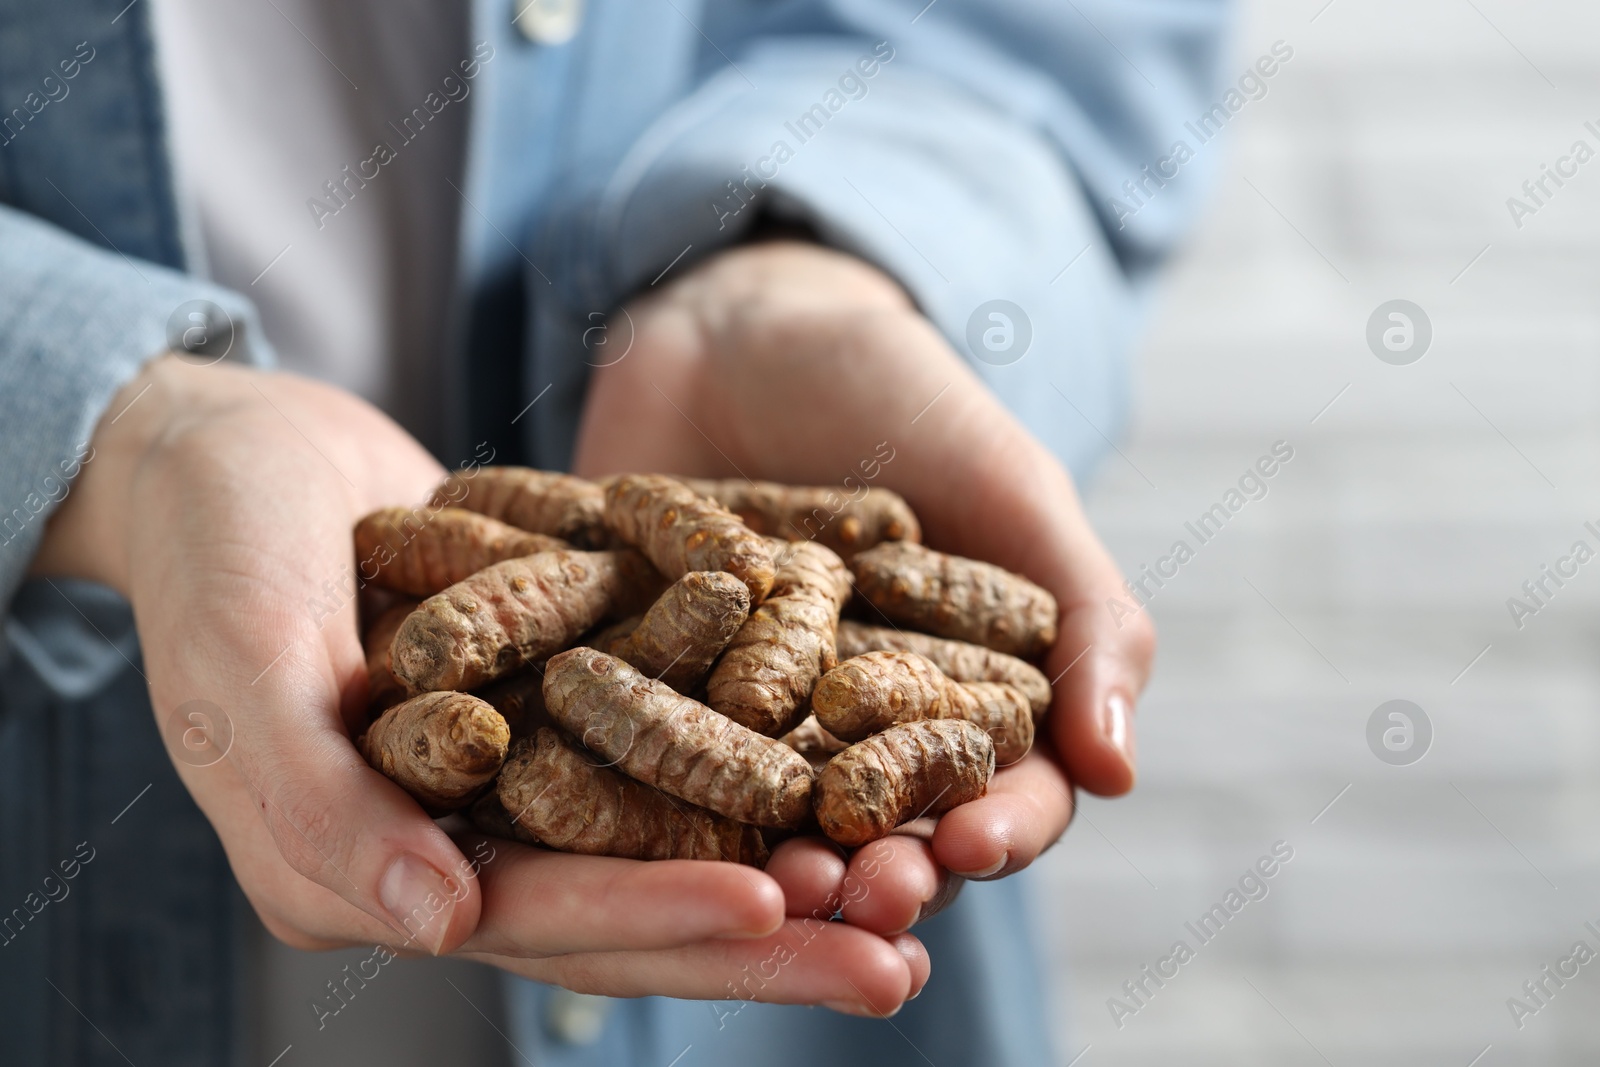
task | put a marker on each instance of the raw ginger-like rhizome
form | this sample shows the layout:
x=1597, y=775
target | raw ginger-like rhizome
x=655, y=667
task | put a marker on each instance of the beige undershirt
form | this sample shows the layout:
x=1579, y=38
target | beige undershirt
x=267, y=100
x=270, y=99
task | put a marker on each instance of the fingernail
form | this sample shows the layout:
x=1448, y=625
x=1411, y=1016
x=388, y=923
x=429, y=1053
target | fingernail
x=419, y=899
x=850, y=1007
x=987, y=872
x=1116, y=726
x=743, y=931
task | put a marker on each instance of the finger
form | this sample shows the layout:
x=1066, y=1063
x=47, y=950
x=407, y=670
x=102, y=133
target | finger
x=313, y=913
x=541, y=903
x=985, y=488
x=665, y=348
x=1099, y=666
x=1101, y=659
x=244, y=594
x=278, y=682
x=1026, y=809
x=811, y=871
x=917, y=959
x=1105, y=642
x=890, y=881
x=807, y=962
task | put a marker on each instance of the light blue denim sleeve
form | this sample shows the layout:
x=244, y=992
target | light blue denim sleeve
x=973, y=154
x=76, y=323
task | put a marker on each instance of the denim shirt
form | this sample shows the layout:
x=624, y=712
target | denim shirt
x=990, y=152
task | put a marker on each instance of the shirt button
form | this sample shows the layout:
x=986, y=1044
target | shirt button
x=550, y=21
x=575, y=1018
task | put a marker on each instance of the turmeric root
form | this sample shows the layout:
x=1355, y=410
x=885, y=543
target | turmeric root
x=958, y=598
x=962, y=661
x=519, y=698
x=910, y=770
x=488, y=816
x=869, y=693
x=825, y=514
x=681, y=531
x=555, y=792
x=415, y=552
x=442, y=748
x=539, y=501
x=384, y=690
x=765, y=678
x=1003, y=713
x=685, y=630
x=817, y=745
x=513, y=613
x=679, y=746
x=876, y=690
x=611, y=638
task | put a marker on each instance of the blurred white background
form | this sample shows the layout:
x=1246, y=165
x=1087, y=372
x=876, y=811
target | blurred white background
x=1377, y=168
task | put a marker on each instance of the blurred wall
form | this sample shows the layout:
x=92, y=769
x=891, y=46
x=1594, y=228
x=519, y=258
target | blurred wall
x=1377, y=567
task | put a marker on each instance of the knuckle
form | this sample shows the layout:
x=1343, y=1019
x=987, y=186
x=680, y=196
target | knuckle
x=1139, y=640
x=304, y=829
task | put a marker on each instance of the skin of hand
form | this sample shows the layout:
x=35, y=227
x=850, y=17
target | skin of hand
x=220, y=501
x=791, y=362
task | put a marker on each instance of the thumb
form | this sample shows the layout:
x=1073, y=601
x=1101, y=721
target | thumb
x=1101, y=659
x=281, y=781
x=1099, y=666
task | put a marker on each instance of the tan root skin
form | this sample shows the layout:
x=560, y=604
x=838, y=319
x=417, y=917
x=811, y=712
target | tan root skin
x=876, y=690
x=540, y=501
x=682, y=747
x=442, y=748
x=684, y=631
x=488, y=816
x=910, y=770
x=423, y=551
x=681, y=531
x=1003, y=713
x=958, y=598
x=519, y=698
x=384, y=690
x=559, y=794
x=845, y=521
x=615, y=637
x=765, y=678
x=817, y=745
x=960, y=660
x=512, y=614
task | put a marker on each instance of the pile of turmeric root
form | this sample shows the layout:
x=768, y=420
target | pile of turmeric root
x=656, y=667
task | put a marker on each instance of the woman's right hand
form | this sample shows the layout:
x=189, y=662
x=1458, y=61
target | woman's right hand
x=220, y=501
